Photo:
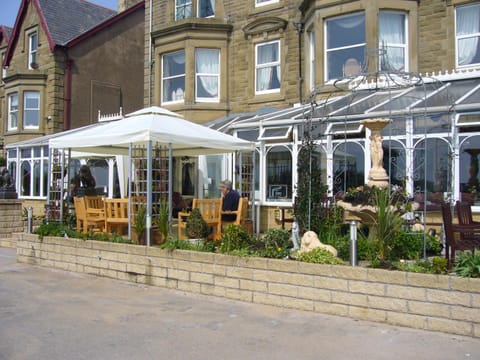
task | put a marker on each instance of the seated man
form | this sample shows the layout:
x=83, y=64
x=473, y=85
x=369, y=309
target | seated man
x=231, y=199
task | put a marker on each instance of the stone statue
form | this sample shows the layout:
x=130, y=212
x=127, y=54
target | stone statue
x=7, y=187
x=295, y=235
x=311, y=241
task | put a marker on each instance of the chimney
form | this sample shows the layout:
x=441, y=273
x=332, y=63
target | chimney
x=125, y=4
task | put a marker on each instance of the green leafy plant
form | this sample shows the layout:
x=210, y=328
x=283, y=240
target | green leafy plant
x=276, y=243
x=235, y=238
x=58, y=229
x=196, y=227
x=140, y=224
x=162, y=219
x=467, y=264
x=387, y=224
x=308, y=209
x=319, y=256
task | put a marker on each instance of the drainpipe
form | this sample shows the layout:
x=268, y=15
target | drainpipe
x=299, y=27
x=150, y=62
x=68, y=93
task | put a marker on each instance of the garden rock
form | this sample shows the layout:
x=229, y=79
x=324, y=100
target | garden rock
x=310, y=241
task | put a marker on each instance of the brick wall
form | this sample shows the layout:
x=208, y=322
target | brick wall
x=432, y=302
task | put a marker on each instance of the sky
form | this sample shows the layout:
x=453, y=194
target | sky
x=9, y=9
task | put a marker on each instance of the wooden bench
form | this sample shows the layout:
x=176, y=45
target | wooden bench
x=240, y=213
x=211, y=213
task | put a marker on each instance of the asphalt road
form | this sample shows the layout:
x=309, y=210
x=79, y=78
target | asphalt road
x=51, y=314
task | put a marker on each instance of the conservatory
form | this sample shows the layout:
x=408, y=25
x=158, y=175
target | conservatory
x=431, y=145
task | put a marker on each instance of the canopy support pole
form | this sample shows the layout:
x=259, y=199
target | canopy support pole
x=149, y=191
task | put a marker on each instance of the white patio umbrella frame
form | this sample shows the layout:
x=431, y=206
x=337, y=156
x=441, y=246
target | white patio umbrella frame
x=146, y=127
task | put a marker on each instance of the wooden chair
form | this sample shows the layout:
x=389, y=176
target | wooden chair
x=464, y=242
x=211, y=212
x=84, y=222
x=95, y=210
x=240, y=213
x=116, y=215
x=465, y=217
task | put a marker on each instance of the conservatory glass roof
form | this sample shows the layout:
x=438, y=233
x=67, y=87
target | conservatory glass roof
x=432, y=97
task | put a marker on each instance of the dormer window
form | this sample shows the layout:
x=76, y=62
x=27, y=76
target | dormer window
x=4, y=71
x=32, y=50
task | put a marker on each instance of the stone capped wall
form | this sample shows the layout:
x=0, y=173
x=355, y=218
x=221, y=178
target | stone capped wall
x=442, y=303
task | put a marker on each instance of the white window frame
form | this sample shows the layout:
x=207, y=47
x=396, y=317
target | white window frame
x=199, y=7
x=403, y=46
x=31, y=109
x=259, y=3
x=207, y=74
x=32, y=49
x=465, y=36
x=327, y=50
x=186, y=5
x=11, y=125
x=4, y=70
x=164, y=78
x=265, y=133
x=267, y=65
x=311, y=52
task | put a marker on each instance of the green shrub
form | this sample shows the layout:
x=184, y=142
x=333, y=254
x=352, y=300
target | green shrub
x=235, y=237
x=58, y=229
x=319, y=256
x=276, y=243
x=196, y=227
x=172, y=244
x=467, y=264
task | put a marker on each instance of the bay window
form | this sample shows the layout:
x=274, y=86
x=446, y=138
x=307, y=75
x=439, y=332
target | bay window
x=267, y=67
x=467, y=31
x=31, y=109
x=393, y=44
x=173, y=77
x=207, y=74
x=345, y=44
x=13, y=111
x=183, y=9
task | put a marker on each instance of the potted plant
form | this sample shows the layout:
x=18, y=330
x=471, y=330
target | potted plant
x=140, y=224
x=196, y=226
x=162, y=220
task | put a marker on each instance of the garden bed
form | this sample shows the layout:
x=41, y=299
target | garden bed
x=423, y=301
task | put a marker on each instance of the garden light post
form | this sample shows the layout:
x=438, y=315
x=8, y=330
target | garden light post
x=29, y=219
x=353, y=243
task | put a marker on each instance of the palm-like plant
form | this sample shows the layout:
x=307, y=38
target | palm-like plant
x=387, y=224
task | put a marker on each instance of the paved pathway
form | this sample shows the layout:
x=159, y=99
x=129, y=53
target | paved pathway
x=51, y=314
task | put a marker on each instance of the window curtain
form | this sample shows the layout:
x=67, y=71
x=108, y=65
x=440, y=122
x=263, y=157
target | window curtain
x=392, y=32
x=268, y=76
x=468, y=22
x=206, y=8
x=207, y=62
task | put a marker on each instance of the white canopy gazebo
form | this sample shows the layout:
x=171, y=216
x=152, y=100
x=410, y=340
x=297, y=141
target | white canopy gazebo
x=153, y=125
